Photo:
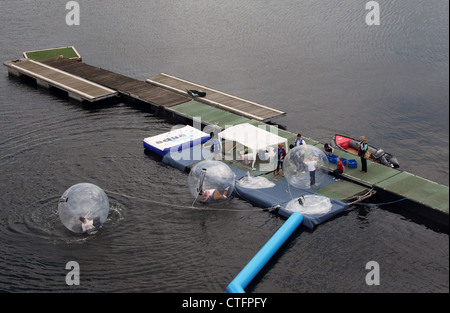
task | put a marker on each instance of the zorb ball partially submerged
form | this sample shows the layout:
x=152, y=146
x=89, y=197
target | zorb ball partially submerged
x=299, y=161
x=210, y=175
x=310, y=205
x=83, y=200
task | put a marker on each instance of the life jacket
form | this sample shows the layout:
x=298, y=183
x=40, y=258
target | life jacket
x=302, y=142
x=362, y=148
x=281, y=153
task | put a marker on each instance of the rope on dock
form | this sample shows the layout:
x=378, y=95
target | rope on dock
x=369, y=194
x=378, y=204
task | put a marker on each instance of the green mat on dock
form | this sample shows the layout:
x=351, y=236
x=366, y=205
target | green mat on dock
x=67, y=52
x=210, y=114
x=419, y=190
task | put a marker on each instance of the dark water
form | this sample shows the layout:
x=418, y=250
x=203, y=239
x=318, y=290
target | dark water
x=316, y=60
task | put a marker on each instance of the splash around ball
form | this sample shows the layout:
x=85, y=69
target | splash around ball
x=83, y=207
x=211, y=181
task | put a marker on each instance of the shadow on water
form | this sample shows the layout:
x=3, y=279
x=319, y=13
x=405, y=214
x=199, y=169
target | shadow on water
x=408, y=210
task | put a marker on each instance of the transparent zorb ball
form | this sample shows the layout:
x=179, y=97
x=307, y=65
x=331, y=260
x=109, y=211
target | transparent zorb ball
x=211, y=181
x=305, y=167
x=86, y=201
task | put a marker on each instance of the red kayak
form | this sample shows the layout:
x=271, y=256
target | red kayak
x=351, y=145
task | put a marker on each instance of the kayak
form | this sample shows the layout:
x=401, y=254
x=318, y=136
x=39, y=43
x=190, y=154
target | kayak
x=351, y=145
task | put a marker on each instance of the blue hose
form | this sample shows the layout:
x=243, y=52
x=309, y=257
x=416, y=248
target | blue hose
x=241, y=281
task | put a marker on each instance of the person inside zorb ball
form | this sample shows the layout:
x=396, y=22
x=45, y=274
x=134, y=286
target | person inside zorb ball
x=83, y=207
x=211, y=181
x=305, y=167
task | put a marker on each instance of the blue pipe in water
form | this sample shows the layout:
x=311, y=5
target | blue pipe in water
x=241, y=281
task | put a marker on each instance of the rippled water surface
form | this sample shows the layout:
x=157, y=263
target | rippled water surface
x=316, y=60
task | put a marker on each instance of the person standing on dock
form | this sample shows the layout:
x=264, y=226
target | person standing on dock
x=363, y=148
x=216, y=147
x=281, y=154
x=299, y=141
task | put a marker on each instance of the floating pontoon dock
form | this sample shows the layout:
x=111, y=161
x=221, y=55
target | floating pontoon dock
x=166, y=95
x=47, y=76
x=124, y=85
x=217, y=98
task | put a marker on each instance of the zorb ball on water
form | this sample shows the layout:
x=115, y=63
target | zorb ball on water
x=83, y=200
x=298, y=163
x=211, y=181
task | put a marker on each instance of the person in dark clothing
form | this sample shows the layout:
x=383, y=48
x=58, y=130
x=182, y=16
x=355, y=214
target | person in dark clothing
x=281, y=154
x=328, y=149
x=363, y=147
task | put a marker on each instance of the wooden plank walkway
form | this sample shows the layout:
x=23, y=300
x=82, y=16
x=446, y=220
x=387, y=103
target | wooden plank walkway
x=217, y=98
x=46, y=76
x=123, y=84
